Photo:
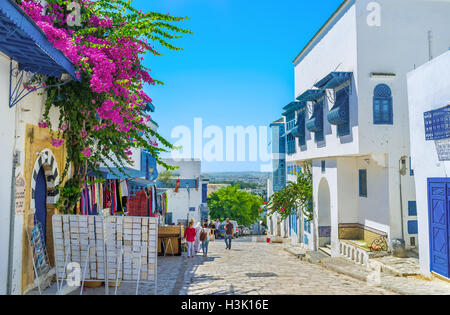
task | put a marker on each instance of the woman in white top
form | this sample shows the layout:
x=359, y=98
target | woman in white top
x=205, y=235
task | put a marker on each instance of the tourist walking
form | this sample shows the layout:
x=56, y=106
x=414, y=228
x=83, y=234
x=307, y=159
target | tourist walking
x=189, y=235
x=205, y=234
x=229, y=232
x=198, y=228
x=217, y=227
x=212, y=227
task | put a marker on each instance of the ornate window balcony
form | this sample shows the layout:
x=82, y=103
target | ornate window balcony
x=340, y=115
x=315, y=123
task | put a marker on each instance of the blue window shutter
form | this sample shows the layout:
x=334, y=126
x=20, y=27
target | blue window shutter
x=363, y=183
x=412, y=208
x=413, y=227
x=301, y=120
x=324, y=168
x=411, y=171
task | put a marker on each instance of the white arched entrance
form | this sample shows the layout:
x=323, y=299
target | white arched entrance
x=324, y=213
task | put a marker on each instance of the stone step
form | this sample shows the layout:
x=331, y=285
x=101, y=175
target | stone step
x=326, y=250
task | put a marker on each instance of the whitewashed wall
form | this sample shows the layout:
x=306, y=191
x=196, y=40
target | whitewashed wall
x=322, y=181
x=7, y=117
x=187, y=168
x=428, y=89
x=180, y=202
x=397, y=46
x=336, y=51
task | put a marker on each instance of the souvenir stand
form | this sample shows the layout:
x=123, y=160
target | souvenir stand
x=110, y=249
x=114, y=237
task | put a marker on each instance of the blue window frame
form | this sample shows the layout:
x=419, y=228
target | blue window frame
x=363, y=183
x=339, y=115
x=290, y=121
x=290, y=139
x=382, y=105
x=411, y=171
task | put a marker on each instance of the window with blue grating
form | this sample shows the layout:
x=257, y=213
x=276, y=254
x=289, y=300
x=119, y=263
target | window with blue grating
x=382, y=105
x=290, y=139
x=363, y=183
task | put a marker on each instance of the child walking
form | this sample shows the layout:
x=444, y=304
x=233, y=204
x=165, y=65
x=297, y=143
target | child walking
x=189, y=235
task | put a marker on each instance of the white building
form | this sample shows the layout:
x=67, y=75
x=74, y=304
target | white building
x=351, y=120
x=429, y=101
x=25, y=51
x=186, y=192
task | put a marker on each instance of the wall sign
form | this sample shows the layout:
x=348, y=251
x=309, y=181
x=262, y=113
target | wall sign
x=20, y=196
x=437, y=124
x=443, y=149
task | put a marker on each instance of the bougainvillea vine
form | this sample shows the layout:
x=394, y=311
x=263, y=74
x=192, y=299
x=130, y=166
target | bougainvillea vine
x=103, y=114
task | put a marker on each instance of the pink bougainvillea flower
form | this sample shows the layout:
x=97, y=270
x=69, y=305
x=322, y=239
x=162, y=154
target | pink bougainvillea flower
x=42, y=124
x=64, y=127
x=86, y=152
x=57, y=142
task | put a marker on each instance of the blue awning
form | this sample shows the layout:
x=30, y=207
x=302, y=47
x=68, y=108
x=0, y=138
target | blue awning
x=115, y=173
x=333, y=80
x=292, y=107
x=23, y=41
x=149, y=107
x=141, y=182
x=311, y=95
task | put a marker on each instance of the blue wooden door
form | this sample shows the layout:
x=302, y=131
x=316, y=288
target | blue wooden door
x=41, y=202
x=438, y=206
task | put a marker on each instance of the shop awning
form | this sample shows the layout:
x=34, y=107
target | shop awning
x=141, y=182
x=311, y=95
x=333, y=80
x=23, y=41
x=115, y=173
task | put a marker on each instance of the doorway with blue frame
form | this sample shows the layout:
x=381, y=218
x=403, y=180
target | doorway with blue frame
x=439, y=225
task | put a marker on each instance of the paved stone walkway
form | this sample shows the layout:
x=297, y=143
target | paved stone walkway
x=259, y=268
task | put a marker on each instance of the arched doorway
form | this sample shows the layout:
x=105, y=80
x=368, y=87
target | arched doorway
x=324, y=215
x=40, y=216
x=44, y=195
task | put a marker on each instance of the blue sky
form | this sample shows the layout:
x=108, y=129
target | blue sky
x=236, y=69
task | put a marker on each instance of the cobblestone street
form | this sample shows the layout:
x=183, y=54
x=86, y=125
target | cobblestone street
x=259, y=268
x=252, y=268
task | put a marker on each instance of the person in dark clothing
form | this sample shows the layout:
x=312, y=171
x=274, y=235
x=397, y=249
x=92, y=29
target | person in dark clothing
x=229, y=232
